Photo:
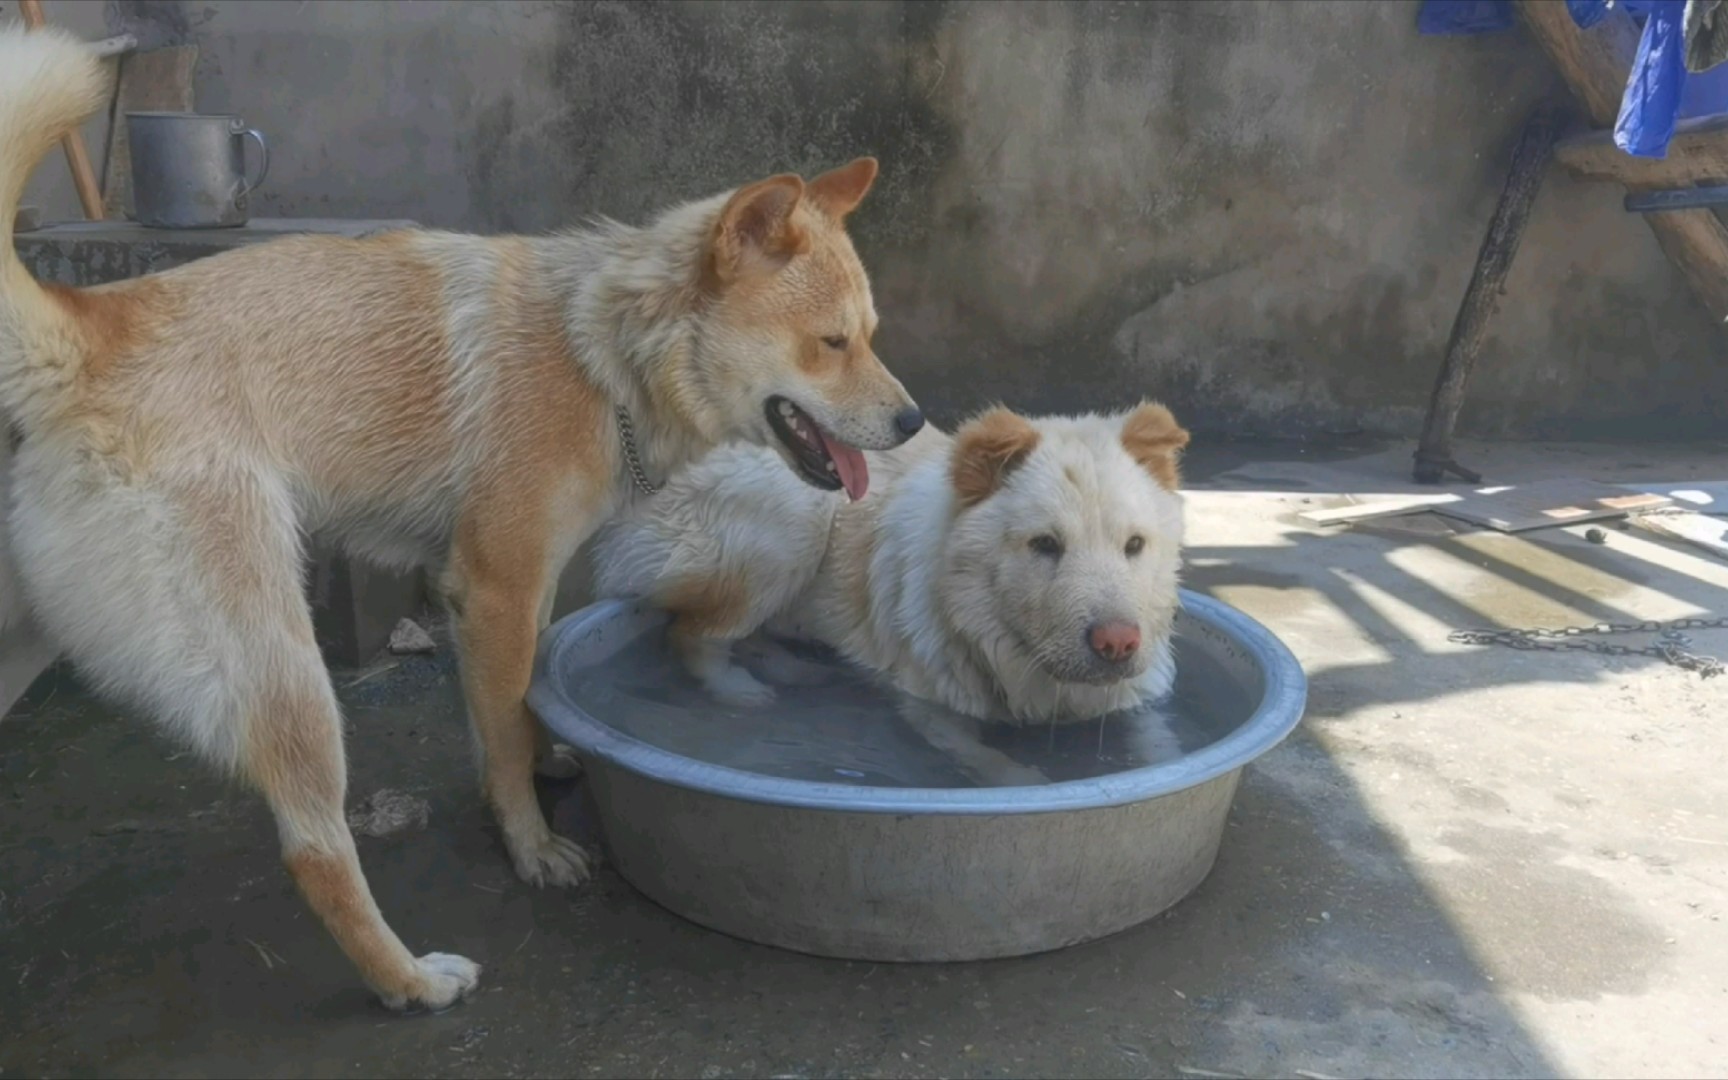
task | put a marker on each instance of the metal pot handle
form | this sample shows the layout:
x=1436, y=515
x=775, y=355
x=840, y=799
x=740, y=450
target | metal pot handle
x=251, y=185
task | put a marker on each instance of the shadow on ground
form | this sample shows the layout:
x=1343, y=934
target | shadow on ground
x=152, y=931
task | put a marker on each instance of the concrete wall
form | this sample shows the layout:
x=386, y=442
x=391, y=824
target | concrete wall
x=1265, y=212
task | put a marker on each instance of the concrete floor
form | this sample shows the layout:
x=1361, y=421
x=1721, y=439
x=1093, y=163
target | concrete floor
x=1467, y=862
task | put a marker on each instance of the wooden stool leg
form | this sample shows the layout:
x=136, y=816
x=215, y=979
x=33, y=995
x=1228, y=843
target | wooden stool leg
x=1529, y=163
x=83, y=176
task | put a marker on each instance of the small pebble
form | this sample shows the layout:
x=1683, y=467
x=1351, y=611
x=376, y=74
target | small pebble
x=409, y=637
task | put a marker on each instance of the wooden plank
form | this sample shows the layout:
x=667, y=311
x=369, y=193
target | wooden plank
x=1697, y=154
x=1697, y=242
x=1390, y=506
x=159, y=80
x=1548, y=503
x=1424, y=523
x=1699, y=496
x=1595, y=64
x=83, y=176
x=1710, y=534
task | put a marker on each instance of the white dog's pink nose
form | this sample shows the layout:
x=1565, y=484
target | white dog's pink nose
x=1114, y=641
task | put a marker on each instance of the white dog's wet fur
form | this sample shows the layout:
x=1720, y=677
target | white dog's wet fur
x=1023, y=570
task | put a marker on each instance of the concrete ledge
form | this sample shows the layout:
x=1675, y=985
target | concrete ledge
x=354, y=607
x=94, y=252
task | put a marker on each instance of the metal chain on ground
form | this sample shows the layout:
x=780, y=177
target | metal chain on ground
x=1671, y=646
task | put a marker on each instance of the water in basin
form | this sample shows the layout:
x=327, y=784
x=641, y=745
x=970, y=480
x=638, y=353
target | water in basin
x=847, y=728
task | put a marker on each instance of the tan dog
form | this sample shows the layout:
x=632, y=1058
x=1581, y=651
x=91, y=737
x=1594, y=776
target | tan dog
x=477, y=405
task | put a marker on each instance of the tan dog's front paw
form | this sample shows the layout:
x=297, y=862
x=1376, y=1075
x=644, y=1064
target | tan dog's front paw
x=441, y=980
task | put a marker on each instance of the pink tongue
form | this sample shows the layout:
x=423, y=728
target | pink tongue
x=849, y=463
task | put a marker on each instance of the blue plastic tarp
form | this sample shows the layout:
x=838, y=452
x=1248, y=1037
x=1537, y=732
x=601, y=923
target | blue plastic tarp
x=1659, y=90
x=1652, y=100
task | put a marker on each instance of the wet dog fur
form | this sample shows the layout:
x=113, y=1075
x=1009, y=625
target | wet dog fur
x=1022, y=571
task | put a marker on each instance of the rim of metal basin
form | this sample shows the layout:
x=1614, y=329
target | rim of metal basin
x=1279, y=711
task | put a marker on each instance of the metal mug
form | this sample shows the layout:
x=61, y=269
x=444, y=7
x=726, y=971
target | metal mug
x=189, y=169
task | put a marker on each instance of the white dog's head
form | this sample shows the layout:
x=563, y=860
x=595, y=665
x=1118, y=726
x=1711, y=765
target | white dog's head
x=1067, y=541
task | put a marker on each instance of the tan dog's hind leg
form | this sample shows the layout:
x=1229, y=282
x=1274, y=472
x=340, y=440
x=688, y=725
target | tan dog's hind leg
x=184, y=593
x=294, y=756
x=290, y=742
x=497, y=581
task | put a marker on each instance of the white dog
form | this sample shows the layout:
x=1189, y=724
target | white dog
x=1021, y=571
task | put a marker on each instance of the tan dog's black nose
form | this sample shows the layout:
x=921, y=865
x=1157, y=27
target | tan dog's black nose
x=909, y=421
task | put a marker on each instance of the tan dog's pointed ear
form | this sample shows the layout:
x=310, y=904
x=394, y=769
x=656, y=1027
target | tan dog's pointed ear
x=756, y=228
x=1153, y=438
x=986, y=450
x=839, y=191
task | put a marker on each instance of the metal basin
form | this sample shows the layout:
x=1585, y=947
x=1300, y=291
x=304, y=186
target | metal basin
x=915, y=873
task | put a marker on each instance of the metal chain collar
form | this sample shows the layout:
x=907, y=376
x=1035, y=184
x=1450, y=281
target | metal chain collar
x=627, y=434
x=1671, y=645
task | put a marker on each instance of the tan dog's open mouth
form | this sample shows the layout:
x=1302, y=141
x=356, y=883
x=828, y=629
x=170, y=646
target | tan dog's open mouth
x=819, y=458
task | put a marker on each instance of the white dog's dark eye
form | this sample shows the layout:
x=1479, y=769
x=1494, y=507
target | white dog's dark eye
x=1136, y=544
x=1045, y=544
x=836, y=342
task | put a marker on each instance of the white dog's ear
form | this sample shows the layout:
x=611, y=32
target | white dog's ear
x=755, y=227
x=986, y=450
x=839, y=191
x=1153, y=438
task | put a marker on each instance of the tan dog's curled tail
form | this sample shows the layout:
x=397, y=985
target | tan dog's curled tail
x=50, y=82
